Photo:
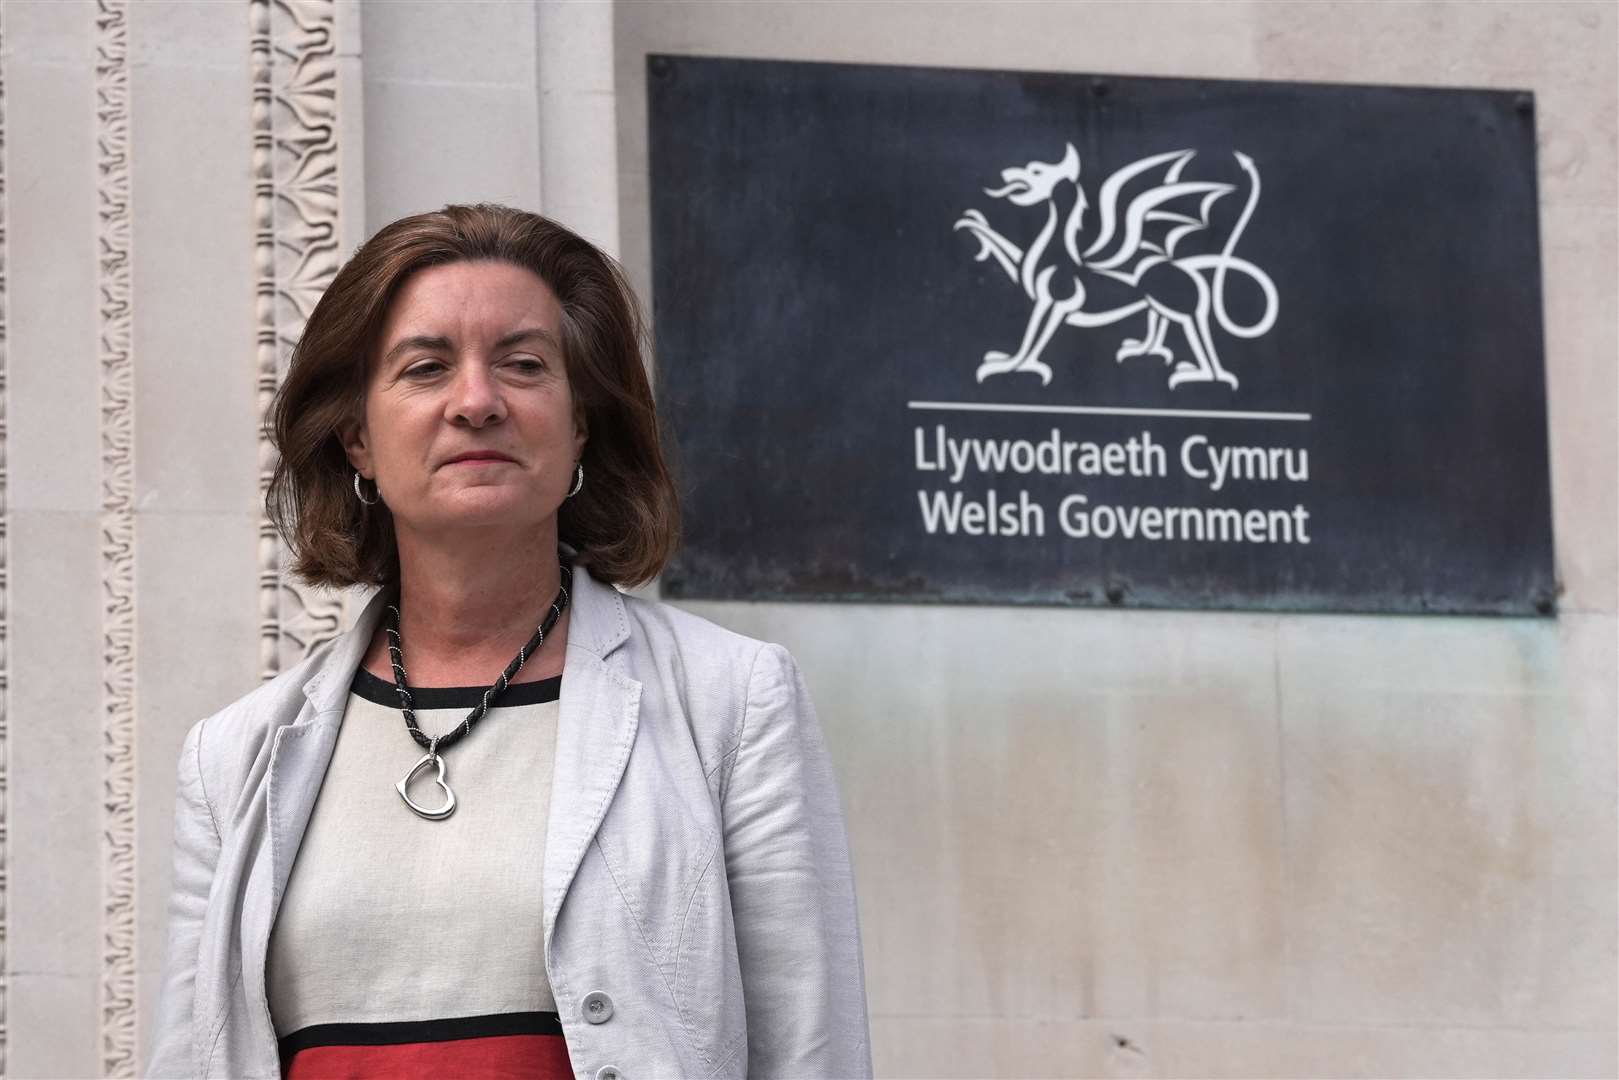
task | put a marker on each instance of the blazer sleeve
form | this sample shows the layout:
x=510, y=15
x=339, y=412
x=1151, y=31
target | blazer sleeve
x=792, y=891
x=196, y=852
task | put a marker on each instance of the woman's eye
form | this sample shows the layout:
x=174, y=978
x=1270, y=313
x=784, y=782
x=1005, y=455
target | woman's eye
x=528, y=364
x=426, y=367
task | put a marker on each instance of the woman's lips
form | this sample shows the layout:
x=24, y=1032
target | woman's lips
x=485, y=459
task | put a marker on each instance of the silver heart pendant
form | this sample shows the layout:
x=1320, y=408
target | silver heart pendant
x=429, y=758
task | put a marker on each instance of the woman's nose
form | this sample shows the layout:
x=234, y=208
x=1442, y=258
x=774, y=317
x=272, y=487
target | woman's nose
x=475, y=397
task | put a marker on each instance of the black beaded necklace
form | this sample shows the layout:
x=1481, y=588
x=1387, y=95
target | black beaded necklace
x=396, y=653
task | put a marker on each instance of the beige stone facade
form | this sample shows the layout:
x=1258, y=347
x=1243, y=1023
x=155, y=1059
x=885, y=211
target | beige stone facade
x=1087, y=843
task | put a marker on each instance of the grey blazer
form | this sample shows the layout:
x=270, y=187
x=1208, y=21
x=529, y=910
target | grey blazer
x=696, y=867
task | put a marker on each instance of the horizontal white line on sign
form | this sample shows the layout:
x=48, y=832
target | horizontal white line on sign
x=1100, y=410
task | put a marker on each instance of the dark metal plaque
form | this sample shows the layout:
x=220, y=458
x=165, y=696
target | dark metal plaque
x=942, y=335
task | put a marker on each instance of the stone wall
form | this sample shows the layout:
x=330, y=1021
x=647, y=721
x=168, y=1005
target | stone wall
x=1138, y=843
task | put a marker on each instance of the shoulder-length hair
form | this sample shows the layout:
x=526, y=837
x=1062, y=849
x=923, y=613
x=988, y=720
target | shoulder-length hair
x=624, y=523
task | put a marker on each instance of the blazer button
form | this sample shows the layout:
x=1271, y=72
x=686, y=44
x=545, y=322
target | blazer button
x=598, y=1009
x=607, y=1072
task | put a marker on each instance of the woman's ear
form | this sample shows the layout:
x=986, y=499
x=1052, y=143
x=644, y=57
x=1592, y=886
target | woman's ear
x=356, y=444
x=581, y=434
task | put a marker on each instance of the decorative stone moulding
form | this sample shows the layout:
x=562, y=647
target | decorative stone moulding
x=294, y=68
x=118, y=959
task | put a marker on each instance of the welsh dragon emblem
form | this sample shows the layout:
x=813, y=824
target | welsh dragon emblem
x=1135, y=259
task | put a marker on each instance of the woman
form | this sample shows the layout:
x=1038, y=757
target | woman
x=514, y=823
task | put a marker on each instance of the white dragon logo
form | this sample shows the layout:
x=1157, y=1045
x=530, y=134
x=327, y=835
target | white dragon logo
x=1134, y=245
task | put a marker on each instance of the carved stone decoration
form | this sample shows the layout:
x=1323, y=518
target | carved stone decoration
x=5, y=562
x=294, y=63
x=118, y=971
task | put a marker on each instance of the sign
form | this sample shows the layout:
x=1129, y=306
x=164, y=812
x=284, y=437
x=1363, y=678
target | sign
x=1005, y=337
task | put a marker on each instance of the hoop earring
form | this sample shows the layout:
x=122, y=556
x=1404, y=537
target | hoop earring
x=358, y=494
x=578, y=479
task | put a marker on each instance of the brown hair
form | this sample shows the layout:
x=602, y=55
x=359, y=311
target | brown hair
x=624, y=523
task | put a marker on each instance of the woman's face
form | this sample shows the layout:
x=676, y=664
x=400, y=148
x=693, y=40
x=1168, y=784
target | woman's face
x=469, y=419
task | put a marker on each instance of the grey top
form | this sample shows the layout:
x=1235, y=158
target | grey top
x=696, y=864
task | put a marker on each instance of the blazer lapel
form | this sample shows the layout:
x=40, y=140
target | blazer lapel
x=299, y=755
x=597, y=716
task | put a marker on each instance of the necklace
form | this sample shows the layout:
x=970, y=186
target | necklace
x=396, y=653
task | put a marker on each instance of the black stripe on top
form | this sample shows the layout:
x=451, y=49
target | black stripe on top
x=396, y=1032
x=384, y=692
